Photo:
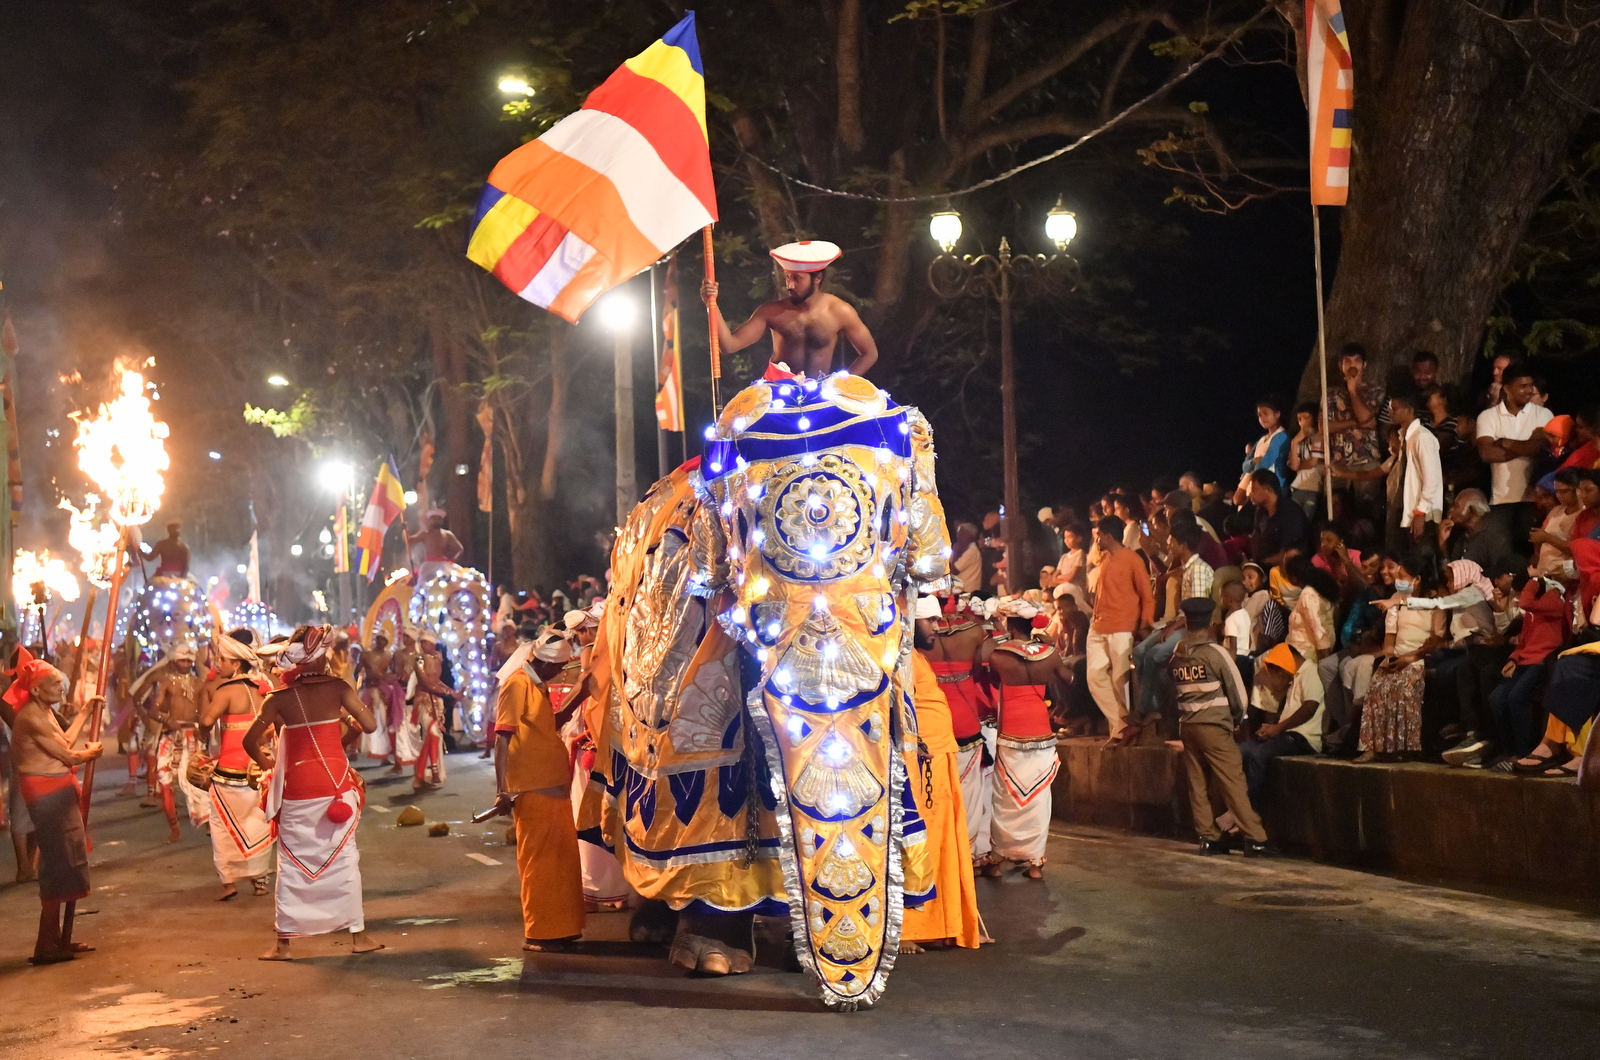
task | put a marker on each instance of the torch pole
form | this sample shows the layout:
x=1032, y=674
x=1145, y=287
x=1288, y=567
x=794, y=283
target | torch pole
x=716, y=335
x=83, y=642
x=95, y=719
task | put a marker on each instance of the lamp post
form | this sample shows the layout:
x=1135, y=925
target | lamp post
x=339, y=478
x=616, y=312
x=1000, y=276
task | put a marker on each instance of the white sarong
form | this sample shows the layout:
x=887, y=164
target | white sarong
x=603, y=880
x=172, y=771
x=241, y=835
x=319, y=868
x=977, y=781
x=1024, y=769
x=376, y=744
x=408, y=737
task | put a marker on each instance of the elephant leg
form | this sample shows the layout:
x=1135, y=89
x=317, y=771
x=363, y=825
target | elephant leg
x=654, y=922
x=714, y=943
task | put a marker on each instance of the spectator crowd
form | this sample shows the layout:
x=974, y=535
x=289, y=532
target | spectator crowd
x=1441, y=605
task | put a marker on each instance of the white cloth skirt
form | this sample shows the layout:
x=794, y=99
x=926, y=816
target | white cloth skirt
x=319, y=868
x=603, y=880
x=241, y=835
x=977, y=781
x=376, y=744
x=1024, y=769
x=408, y=737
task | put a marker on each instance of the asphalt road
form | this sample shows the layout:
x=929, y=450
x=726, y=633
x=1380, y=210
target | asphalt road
x=1131, y=949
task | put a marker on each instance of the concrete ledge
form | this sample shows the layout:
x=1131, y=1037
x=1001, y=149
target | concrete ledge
x=1452, y=825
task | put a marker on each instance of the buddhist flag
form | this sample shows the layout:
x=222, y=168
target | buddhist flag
x=669, y=376
x=609, y=189
x=388, y=501
x=1330, y=88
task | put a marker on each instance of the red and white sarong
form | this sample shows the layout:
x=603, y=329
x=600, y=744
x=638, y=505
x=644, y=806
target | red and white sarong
x=319, y=867
x=172, y=771
x=1025, y=765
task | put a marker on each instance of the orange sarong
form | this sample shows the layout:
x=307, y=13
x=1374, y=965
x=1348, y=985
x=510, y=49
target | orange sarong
x=547, y=862
x=953, y=911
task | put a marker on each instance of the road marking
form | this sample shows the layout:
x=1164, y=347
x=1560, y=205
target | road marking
x=483, y=859
x=380, y=809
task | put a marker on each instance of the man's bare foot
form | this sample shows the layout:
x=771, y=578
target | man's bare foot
x=565, y=945
x=279, y=952
x=51, y=957
x=80, y=947
x=361, y=942
x=149, y=802
x=1035, y=872
x=127, y=789
x=228, y=891
x=172, y=836
x=1363, y=758
x=991, y=869
x=910, y=947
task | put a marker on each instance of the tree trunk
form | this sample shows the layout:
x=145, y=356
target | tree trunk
x=848, y=67
x=461, y=502
x=1458, y=135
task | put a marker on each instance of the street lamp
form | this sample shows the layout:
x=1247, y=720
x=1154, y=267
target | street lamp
x=616, y=313
x=514, y=85
x=993, y=275
x=277, y=380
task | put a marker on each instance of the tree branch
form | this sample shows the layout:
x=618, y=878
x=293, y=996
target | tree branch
x=1024, y=83
x=977, y=63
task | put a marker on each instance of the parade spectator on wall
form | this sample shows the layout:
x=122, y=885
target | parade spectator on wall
x=1422, y=475
x=1305, y=460
x=1270, y=451
x=1353, y=407
x=1510, y=434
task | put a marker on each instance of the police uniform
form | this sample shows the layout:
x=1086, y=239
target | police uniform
x=1211, y=699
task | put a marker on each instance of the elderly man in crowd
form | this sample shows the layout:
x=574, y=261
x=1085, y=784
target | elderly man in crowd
x=1469, y=532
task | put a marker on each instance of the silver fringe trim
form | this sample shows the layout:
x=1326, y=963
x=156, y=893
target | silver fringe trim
x=894, y=907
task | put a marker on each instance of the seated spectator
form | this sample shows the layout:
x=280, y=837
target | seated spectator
x=1391, y=718
x=1210, y=548
x=1236, y=536
x=1469, y=533
x=1191, y=577
x=1472, y=632
x=1585, y=448
x=1270, y=452
x=1557, y=498
x=1213, y=505
x=1555, y=549
x=1305, y=460
x=1296, y=727
x=1069, y=628
x=1271, y=614
x=1311, y=621
x=1546, y=629
x=1279, y=525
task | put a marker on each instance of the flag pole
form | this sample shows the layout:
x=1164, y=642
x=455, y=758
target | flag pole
x=655, y=360
x=1322, y=361
x=711, y=319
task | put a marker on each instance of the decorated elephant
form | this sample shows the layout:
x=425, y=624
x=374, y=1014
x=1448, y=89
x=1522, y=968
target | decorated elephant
x=753, y=679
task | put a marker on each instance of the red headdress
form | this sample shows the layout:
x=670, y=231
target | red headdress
x=26, y=676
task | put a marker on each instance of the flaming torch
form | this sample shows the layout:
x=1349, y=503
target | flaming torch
x=122, y=449
x=37, y=578
x=97, y=546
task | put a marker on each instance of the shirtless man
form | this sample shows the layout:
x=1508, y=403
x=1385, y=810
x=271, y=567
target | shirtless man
x=172, y=553
x=806, y=325
x=45, y=759
x=383, y=693
x=430, y=698
x=956, y=640
x=1025, y=753
x=177, y=713
x=434, y=547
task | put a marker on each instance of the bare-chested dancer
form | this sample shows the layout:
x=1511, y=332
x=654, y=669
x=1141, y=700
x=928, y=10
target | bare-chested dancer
x=957, y=637
x=241, y=835
x=384, y=694
x=177, y=712
x=807, y=324
x=315, y=797
x=45, y=758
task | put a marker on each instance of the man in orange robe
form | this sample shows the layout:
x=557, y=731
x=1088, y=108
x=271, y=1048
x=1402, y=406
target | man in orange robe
x=951, y=916
x=533, y=786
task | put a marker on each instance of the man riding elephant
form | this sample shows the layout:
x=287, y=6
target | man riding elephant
x=753, y=682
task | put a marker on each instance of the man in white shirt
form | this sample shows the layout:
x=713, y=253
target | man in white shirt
x=1510, y=435
x=1293, y=681
x=969, y=559
x=1422, y=490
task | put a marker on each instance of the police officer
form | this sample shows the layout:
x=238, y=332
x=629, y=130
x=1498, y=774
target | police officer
x=1211, y=700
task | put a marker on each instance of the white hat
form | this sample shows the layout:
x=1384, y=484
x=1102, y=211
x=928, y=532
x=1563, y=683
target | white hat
x=928, y=607
x=1046, y=514
x=553, y=647
x=573, y=619
x=1064, y=589
x=808, y=255
x=1017, y=607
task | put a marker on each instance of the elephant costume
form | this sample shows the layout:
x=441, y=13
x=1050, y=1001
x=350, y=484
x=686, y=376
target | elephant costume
x=754, y=676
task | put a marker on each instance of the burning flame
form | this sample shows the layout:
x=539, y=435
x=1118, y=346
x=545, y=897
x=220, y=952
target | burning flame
x=28, y=570
x=123, y=451
x=96, y=544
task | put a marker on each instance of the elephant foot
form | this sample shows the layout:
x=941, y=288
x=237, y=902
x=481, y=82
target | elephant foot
x=653, y=922
x=699, y=954
x=714, y=943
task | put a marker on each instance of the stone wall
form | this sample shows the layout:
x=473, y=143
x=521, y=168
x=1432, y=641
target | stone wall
x=1460, y=826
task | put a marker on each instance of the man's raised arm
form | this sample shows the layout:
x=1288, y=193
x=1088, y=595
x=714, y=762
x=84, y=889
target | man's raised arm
x=749, y=331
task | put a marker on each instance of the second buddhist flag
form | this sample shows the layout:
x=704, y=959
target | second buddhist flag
x=609, y=189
